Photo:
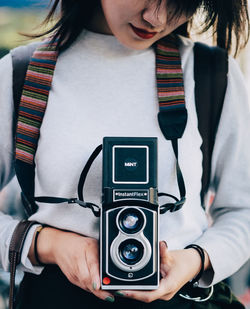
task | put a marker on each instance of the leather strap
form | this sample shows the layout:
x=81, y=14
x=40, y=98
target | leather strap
x=15, y=252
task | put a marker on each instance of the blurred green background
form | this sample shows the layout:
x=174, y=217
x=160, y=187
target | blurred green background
x=21, y=16
x=13, y=20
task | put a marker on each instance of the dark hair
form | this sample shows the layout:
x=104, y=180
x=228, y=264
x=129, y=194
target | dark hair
x=229, y=20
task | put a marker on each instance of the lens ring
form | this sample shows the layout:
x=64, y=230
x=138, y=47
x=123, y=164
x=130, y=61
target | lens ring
x=131, y=251
x=131, y=220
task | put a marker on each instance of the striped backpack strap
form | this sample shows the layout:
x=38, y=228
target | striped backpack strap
x=172, y=115
x=20, y=60
x=30, y=116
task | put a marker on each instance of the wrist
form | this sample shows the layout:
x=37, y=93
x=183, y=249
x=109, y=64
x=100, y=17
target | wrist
x=45, y=245
x=207, y=263
x=194, y=260
x=31, y=253
x=202, y=265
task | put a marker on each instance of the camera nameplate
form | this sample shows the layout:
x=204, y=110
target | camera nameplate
x=124, y=194
x=114, y=160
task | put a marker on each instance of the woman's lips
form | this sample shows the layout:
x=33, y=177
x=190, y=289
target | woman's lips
x=143, y=33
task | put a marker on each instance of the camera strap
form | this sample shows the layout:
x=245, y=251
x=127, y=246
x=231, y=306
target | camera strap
x=172, y=207
x=96, y=209
x=172, y=116
x=80, y=200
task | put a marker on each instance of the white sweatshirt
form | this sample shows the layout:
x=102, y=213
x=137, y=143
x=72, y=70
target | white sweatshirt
x=101, y=88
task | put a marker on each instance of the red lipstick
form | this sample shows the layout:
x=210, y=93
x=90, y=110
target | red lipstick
x=144, y=34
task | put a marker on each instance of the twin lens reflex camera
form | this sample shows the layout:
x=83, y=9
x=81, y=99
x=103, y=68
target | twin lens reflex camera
x=129, y=250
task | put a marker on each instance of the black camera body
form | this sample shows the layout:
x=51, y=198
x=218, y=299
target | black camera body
x=129, y=246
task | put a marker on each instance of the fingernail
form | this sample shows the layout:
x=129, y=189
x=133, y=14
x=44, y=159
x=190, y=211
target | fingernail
x=110, y=299
x=94, y=285
x=118, y=293
x=165, y=244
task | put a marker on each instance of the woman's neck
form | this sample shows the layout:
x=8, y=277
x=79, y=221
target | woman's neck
x=98, y=23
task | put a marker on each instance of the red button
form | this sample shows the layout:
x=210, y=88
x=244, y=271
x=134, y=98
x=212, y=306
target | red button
x=106, y=280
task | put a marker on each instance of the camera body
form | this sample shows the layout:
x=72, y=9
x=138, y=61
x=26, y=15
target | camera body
x=129, y=248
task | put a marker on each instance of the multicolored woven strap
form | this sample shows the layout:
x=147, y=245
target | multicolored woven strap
x=172, y=116
x=169, y=74
x=34, y=100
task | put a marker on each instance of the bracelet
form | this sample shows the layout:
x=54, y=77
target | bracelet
x=35, y=246
x=195, y=282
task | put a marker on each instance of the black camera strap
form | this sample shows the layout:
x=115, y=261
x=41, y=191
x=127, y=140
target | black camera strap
x=172, y=123
x=58, y=200
x=80, y=200
x=96, y=209
x=172, y=207
x=86, y=170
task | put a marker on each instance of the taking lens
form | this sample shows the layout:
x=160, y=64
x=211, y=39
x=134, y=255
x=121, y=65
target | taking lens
x=131, y=220
x=131, y=251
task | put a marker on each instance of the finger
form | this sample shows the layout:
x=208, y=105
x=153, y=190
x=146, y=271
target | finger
x=77, y=275
x=104, y=295
x=163, y=272
x=80, y=279
x=92, y=260
x=89, y=280
x=166, y=244
x=143, y=296
x=146, y=296
x=84, y=276
x=167, y=296
x=164, y=252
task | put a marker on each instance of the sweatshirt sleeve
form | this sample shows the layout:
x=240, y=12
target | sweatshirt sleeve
x=227, y=241
x=7, y=223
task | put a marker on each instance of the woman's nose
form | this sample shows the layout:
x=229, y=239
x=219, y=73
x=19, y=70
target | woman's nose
x=155, y=14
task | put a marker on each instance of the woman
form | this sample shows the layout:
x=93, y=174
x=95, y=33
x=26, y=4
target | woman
x=110, y=44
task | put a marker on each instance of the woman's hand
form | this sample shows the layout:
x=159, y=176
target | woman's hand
x=177, y=268
x=76, y=255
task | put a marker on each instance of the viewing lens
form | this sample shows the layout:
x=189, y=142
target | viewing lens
x=131, y=251
x=131, y=220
